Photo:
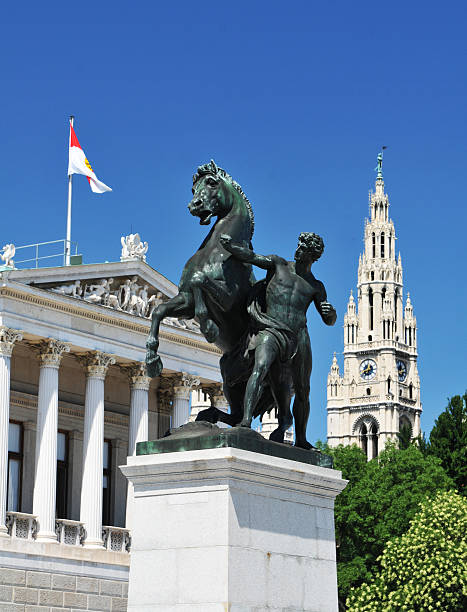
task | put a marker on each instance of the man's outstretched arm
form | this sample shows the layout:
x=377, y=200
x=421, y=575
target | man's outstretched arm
x=325, y=309
x=244, y=254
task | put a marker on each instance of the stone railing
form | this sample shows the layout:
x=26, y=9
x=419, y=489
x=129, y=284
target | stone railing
x=379, y=344
x=407, y=400
x=364, y=399
x=70, y=532
x=21, y=525
x=116, y=539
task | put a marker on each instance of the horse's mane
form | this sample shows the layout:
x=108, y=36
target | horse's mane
x=213, y=169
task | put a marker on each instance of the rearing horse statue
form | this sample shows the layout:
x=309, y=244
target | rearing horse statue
x=214, y=286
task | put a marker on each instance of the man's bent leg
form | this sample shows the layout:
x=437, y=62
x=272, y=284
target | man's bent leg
x=265, y=354
x=301, y=372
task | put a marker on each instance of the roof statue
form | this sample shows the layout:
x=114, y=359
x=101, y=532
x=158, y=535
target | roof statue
x=7, y=254
x=133, y=248
x=379, y=167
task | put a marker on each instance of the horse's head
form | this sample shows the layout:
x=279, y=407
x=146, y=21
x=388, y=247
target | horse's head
x=212, y=195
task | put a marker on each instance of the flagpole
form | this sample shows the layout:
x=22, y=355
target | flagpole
x=68, y=218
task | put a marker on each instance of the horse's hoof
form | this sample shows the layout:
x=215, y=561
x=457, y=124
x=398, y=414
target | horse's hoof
x=210, y=331
x=277, y=436
x=209, y=415
x=153, y=365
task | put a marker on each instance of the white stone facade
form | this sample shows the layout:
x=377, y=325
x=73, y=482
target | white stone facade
x=379, y=390
x=74, y=392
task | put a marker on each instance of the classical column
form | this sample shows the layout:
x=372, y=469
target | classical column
x=139, y=385
x=45, y=477
x=181, y=405
x=8, y=337
x=97, y=365
x=138, y=431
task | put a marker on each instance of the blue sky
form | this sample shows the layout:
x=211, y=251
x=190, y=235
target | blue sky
x=293, y=99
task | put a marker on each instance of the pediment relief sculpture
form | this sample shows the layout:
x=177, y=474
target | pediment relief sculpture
x=126, y=295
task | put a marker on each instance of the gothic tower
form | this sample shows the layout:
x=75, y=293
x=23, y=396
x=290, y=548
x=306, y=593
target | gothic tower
x=379, y=391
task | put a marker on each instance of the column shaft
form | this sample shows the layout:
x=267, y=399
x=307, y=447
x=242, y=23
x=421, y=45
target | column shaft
x=45, y=480
x=93, y=460
x=138, y=418
x=4, y=420
x=181, y=406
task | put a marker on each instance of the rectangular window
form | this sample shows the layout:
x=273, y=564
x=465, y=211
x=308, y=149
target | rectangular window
x=62, y=475
x=15, y=462
x=106, y=482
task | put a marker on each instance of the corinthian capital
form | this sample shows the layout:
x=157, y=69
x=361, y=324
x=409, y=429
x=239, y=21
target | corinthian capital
x=184, y=383
x=51, y=352
x=97, y=363
x=138, y=376
x=8, y=337
x=188, y=381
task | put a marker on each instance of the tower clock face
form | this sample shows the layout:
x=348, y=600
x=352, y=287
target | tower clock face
x=401, y=370
x=368, y=369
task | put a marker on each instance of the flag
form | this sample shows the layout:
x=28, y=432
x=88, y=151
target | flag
x=78, y=164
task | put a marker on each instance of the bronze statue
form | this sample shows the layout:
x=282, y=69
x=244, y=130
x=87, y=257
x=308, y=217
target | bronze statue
x=280, y=333
x=260, y=327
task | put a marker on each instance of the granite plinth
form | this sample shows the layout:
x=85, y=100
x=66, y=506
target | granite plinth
x=203, y=435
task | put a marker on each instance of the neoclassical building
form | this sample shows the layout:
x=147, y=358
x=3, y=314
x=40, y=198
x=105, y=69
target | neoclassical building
x=74, y=401
x=379, y=390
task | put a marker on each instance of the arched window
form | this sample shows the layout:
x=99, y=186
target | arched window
x=368, y=391
x=372, y=276
x=364, y=439
x=382, y=245
x=374, y=440
x=396, y=299
x=370, y=301
x=353, y=334
x=383, y=295
x=373, y=242
x=390, y=246
x=389, y=384
x=411, y=391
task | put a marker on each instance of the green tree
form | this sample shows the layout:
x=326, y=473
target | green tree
x=378, y=503
x=424, y=569
x=404, y=437
x=448, y=440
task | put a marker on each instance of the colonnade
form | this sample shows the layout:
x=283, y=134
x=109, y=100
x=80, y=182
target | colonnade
x=96, y=364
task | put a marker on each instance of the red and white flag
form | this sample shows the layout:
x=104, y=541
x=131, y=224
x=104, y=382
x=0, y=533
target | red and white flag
x=78, y=164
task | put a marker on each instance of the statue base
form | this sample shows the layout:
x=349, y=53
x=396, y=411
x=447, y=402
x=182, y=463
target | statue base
x=201, y=435
x=226, y=528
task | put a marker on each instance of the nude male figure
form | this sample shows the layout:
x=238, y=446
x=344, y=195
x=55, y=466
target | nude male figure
x=281, y=332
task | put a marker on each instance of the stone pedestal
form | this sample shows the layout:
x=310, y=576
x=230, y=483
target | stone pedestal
x=227, y=528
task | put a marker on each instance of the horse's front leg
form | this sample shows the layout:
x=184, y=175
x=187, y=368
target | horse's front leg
x=180, y=306
x=208, y=328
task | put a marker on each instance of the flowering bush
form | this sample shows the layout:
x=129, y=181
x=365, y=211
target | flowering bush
x=426, y=568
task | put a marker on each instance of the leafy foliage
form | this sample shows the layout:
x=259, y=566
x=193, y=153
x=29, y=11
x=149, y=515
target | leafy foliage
x=448, y=440
x=404, y=436
x=426, y=568
x=381, y=498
